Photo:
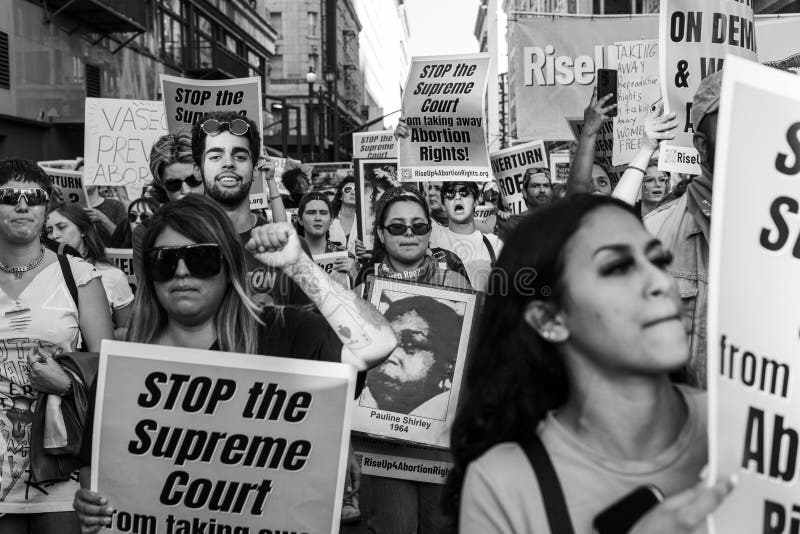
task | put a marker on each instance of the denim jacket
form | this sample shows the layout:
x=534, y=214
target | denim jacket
x=677, y=229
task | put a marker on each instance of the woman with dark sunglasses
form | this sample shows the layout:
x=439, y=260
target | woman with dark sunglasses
x=71, y=225
x=402, y=236
x=172, y=167
x=139, y=212
x=38, y=318
x=343, y=226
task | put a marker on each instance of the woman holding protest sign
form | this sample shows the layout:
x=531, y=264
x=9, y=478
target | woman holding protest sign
x=71, y=225
x=572, y=367
x=314, y=218
x=38, y=319
x=192, y=294
x=343, y=226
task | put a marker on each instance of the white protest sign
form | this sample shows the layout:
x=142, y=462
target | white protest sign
x=559, y=166
x=636, y=63
x=70, y=183
x=187, y=100
x=603, y=146
x=118, y=137
x=693, y=40
x=374, y=145
x=253, y=441
x=443, y=107
x=754, y=282
x=326, y=261
x=482, y=213
x=122, y=258
x=509, y=166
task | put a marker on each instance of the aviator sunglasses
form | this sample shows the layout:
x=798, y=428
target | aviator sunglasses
x=173, y=186
x=33, y=197
x=214, y=127
x=202, y=261
x=400, y=228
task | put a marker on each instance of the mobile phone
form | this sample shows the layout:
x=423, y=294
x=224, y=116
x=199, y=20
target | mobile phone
x=607, y=84
x=623, y=514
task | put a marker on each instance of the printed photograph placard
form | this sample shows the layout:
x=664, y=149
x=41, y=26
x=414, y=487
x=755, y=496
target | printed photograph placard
x=373, y=178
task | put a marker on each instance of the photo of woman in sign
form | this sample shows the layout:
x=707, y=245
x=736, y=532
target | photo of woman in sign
x=376, y=177
x=417, y=377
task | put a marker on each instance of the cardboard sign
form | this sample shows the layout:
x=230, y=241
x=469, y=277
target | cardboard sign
x=636, y=63
x=443, y=106
x=118, y=137
x=693, y=40
x=754, y=281
x=70, y=183
x=220, y=440
x=187, y=100
x=401, y=405
x=123, y=260
x=374, y=145
x=509, y=166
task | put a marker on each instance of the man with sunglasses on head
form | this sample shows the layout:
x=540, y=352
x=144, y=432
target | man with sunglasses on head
x=225, y=149
x=476, y=250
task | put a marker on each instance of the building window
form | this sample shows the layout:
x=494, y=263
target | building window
x=171, y=38
x=5, y=69
x=276, y=21
x=313, y=21
x=92, y=81
x=276, y=66
x=313, y=62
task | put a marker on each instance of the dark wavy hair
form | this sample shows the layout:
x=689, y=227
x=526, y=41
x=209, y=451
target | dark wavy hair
x=515, y=376
x=337, y=198
x=95, y=249
x=24, y=170
x=199, y=136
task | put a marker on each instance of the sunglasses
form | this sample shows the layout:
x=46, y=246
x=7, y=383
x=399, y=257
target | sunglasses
x=33, y=196
x=202, y=261
x=236, y=126
x=463, y=192
x=140, y=216
x=400, y=229
x=348, y=189
x=173, y=186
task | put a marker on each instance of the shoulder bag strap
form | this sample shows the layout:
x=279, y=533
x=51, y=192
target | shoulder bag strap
x=66, y=271
x=489, y=247
x=552, y=495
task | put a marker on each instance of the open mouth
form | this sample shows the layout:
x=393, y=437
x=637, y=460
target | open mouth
x=228, y=179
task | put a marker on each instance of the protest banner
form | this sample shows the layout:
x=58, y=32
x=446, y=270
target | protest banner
x=753, y=347
x=777, y=41
x=636, y=63
x=404, y=406
x=258, y=189
x=326, y=176
x=327, y=260
x=404, y=461
x=373, y=177
x=482, y=213
x=603, y=147
x=552, y=61
x=374, y=145
x=509, y=166
x=560, y=162
x=69, y=182
x=118, y=137
x=270, y=434
x=187, y=100
x=122, y=258
x=693, y=40
x=443, y=107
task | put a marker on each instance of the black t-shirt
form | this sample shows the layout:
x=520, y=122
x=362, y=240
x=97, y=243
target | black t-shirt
x=266, y=285
x=287, y=332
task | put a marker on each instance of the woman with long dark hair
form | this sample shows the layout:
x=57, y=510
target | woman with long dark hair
x=139, y=212
x=580, y=331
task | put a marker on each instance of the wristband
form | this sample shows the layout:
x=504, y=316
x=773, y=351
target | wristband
x=636, y=169
x=276, y=196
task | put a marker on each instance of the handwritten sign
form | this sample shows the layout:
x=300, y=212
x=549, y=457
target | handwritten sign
x=255, y=441
x=118, y=137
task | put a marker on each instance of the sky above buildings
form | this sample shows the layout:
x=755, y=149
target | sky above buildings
x=442, y=26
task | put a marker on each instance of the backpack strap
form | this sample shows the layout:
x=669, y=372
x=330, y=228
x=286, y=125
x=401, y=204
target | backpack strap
x=552, y=495
x=488, y=245
x=66, y=271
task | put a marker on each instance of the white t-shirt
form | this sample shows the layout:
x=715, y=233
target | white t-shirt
x=471, y=250
x=44, y=312
x=115, y=282
x=501, y=493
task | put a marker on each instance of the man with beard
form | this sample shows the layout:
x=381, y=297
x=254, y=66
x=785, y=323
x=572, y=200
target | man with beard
x=417, y=377
x=477, y=251
x=225, y=147
x=537, y=190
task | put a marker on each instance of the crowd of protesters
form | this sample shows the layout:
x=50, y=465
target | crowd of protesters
x=601, y=365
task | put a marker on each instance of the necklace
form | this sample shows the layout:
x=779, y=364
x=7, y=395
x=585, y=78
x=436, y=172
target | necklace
x=19, y=271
